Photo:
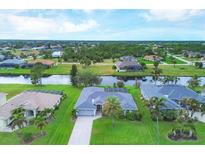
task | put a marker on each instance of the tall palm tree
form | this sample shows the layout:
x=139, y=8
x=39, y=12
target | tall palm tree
x=191, y=105
x=18, y=118
x=40, y=122
x=157, y=104
x=112, y=108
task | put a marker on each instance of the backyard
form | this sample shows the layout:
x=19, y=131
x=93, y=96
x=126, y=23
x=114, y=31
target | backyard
x=64, y=69
x=143, y=132
x=59, y=130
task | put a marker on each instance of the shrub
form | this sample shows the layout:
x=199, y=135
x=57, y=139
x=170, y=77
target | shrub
x=120, y=84
x=169, y=115
x=130, y=116
x=74, y=114
x=133, y=115
x=27, y=137
x=114, y=67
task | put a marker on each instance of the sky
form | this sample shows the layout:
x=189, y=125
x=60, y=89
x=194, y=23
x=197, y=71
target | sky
x=102, y=24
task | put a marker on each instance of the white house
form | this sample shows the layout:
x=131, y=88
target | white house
x=57, y=54
x=31, y=101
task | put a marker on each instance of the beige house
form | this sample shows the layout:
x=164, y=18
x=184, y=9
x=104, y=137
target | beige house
x=152, y=58
x=31, y=101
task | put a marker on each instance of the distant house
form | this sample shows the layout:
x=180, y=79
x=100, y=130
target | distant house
x=173, y=94
x=127, y=58
x=91, y=100
x=47, y=63
x=31, y=101
x=9, y=63
x=57, y=54
x=192, y=54
x=123, y=66
x=152, y=58
x=2, y=57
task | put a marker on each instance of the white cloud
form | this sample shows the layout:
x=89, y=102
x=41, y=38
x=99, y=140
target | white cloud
x=42, y=25
x=170, y=15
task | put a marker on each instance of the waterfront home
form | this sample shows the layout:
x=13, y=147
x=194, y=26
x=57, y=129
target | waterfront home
x=174, y=94
x=47, y=63
x=31, y=101
x=91, y=100
x=123, y=66
x=153, y=58
x=57, y=54
x=9, y=63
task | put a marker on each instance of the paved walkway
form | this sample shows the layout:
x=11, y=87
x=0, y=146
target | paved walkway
x=199, y=117
x=82, y=130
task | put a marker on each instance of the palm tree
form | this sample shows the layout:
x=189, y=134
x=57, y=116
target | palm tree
x=157, y=104
x=40, y=122
x=48, y=112
x=112, y=108
x=191, y=105
x=156, y=73
x=18, y=118
x=176, y=79
x=194, y=81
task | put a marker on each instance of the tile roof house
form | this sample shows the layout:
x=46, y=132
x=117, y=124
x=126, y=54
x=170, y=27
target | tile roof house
x=173, y=94
x=91, y=100
x=13, y=63
x=45, y=62
x=31, y=101
x=123, y=66
x=152, y=58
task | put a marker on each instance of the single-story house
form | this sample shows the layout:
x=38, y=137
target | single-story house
x=127, y=58
x=173, y=93
x=152, y=58
x=31, y=101
x=13, y=63
x=45, y=62
x=91, y=100
x=57, y=54
x=123, y=66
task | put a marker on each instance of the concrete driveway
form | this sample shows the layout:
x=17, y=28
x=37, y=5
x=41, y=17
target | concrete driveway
x=82, y=130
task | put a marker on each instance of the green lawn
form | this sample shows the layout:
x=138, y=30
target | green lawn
x=168, y=60
x=107, y=70
x=144, y=132
x=59, y=130
x=141, y=59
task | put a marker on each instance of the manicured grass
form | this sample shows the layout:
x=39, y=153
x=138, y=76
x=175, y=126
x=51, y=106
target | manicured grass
x=58, y=130
x=64, y=69
x=143, y=132
x=168, y=60
x=141, y=59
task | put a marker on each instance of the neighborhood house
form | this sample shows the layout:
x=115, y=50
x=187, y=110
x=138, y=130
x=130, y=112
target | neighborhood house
x=127, y=63
x=57, y=54
x=173, y=94
x=152, y=58
x=45, y=62
x=10, y=63
x=91, y=100
x=31, y=101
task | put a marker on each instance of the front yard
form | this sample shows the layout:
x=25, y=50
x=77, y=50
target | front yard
x=144, y=132
x=58, y=130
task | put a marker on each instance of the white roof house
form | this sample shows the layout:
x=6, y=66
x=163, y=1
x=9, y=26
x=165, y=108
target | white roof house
x=31, y=101
x=57, y=54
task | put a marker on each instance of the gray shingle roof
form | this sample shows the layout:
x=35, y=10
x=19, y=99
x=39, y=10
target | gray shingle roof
x=94, y=95
x=13, y=61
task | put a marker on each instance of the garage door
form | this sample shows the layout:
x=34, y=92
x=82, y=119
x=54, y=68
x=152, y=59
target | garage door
x=86, y=113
